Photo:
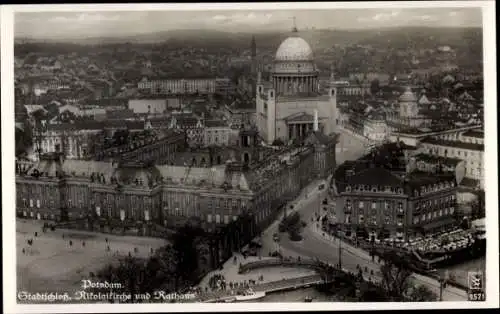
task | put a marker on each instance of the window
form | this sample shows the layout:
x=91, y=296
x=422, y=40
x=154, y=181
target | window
x=226, y=219
x=452, y=210
x=374, y=205
x=440, y=212
x=38, y=203
x=361, y=205
x=429, y=216
x=423, y=217
x=361, y=219
x=434, y=214
x=446, y=211
x=31, y=203
x=387, y=220
x=235, y=218
x=209, y=218
x=348, y=188
x=416, y=220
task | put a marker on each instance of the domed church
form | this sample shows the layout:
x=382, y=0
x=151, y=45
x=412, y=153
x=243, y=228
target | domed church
x=291, y=106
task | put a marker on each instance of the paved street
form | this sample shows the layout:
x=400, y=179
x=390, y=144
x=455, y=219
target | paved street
x=314, y=244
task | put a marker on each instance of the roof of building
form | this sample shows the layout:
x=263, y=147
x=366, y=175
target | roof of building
x=299, y=116
x=417, y=179
x=215, y=176
x=455, y=144
x=215, y=123
x=473, y=133
x=438, y=159
x=294, y=48
x=408, y=96
x=374, y=176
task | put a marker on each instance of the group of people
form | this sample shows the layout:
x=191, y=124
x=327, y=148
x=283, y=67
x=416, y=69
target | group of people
x=70, y=242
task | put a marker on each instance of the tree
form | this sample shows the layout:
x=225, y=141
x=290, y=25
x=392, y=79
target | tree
x=395, y=276
x=372, y=293
x=184, y=244
x=421, y=294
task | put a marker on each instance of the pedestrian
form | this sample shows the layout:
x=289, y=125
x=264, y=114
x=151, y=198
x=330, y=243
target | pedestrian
x=63, y=236
x=36, y=234
x=24, y=251
x=106, y=240
x=110, y=249
x=83, y=243
x=70, y=243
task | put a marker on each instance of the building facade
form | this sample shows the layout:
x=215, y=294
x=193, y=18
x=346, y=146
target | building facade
x=285, y=105
x=109, y=195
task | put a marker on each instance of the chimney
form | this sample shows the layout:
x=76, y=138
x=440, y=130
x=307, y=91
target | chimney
x=315, y=125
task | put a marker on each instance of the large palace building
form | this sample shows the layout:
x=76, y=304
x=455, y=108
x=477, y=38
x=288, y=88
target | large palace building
x=286, y=104
x=153, y=193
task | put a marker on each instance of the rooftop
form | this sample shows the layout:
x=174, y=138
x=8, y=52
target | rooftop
x=455, y=144
x=473, y=133
x=438, y=159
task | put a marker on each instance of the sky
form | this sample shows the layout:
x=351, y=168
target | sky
x=126, y=23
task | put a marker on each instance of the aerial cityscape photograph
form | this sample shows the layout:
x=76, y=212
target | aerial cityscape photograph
x=250, y=156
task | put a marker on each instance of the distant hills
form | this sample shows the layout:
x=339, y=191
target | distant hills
x=317, y=38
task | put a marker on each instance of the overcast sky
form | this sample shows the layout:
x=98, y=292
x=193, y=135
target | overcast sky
x=115, y=23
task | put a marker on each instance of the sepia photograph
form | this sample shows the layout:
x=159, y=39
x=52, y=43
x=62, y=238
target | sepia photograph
x=250, y=154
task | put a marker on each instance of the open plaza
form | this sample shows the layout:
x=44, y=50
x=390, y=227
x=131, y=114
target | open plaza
x=51, y=264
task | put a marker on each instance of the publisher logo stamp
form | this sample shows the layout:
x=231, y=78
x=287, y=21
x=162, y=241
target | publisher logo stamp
x=475, y=281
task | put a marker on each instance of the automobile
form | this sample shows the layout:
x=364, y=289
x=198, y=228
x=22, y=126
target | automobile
x=321, y=186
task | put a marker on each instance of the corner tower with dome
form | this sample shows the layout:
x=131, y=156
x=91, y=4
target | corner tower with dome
x=288, y=104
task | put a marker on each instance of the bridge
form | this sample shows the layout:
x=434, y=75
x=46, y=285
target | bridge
x=268, y=287
x=284, y=262
x=279, y=285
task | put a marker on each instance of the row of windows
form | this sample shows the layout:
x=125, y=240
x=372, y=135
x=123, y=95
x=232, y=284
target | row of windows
x=217, y=218
x=373, y=220
x=428, y=203
x=387, y=205
x=451, y=152
x=433, y=215
x=226, y=203
x=368, y=188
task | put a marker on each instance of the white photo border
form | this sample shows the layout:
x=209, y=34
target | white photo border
x=8, y=173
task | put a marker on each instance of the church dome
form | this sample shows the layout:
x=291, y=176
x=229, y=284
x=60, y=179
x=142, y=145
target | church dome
x=294, y=49
x=408, y=96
